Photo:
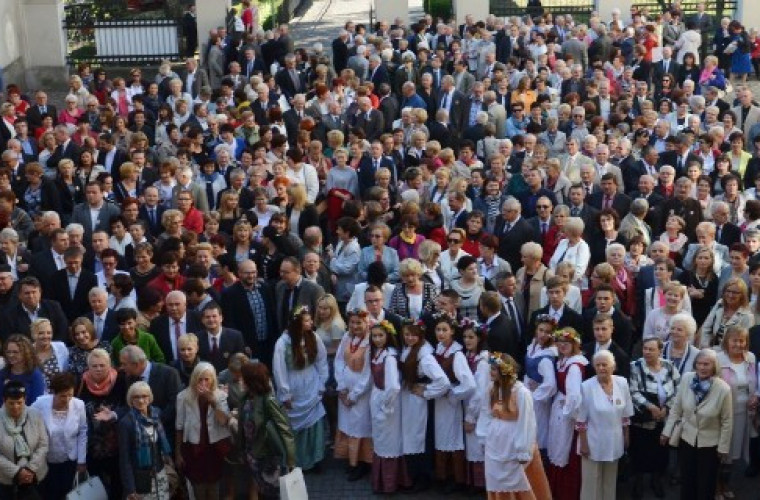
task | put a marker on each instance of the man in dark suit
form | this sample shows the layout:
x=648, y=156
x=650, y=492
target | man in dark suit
x=654, y=199
x=340, y=52
x=609, y=197
x=70, y=285
x=575, y=83
x=292, y=292
x=683, y=205
x=512, y=230
x=726, y=233
x=389, y=106
x=249, y=307
x=665, y=66
x=603, y=326
x=163, y=380
x=41, y=108
x=378, y=72
x=369, y=165
x=579, y=208
x=373, y=299
x=441, y=130
x=289, y=79
x=194, y=78
x=177, y=321
x=604, y=300
x=66, y=148
x=680, y=157
x=557, y=309
x=369, y=119
x=251, y=65
x=103, y=318
x=151, y=212
x=46, y=262
x=455, y=103
x=703, y=23
x=32, y=306
x=109, y=155
x=502, y=336
x=216, y=344
x=293, y=117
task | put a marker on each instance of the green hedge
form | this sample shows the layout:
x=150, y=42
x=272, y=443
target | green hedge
x=439, y=8
x=268, y=10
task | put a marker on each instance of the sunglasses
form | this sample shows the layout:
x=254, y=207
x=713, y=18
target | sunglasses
x=454, y=240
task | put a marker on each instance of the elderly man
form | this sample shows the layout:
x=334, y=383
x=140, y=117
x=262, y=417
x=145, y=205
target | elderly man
x=512, y=230
x=290, y=80
x=371, y=120
x=103, y=318
x=175, y=322
x=747, y=114
x=683, y=205
x=706, y=237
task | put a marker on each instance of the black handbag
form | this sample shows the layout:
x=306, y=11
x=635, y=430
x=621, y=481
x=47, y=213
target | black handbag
x=143, y=481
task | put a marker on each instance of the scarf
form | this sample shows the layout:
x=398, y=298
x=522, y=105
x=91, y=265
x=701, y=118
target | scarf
x=16, y=431
x=210, y=177
x=700, y=388
x=100, y=389
x=144, y=442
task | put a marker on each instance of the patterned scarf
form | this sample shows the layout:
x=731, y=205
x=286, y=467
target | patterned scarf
x=15, y=429
x=700, y=387
x=144, y=441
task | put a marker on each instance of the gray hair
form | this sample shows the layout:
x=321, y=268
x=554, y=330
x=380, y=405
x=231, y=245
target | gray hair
x=575, y=224
x=532, y=249
x=140, y=386
x=74, y=227
x=133, y=354
x=688, y=322
x=9, y=234
x=614, y=247
x=712, y=356
x=95, y=291
x=98, y=353
x=639, y=206
x=604, y=355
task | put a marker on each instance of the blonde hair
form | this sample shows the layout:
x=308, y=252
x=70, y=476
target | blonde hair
x=140, y=386
x=335, y=318
x=202, y=368
x=297, y=194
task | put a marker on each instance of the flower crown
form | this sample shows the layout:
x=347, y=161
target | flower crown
x=414, y=322
x=387, y=326
x=468, y=323
x=496, y=359
x=567, y=334
x=302, y=309
x=546, y=318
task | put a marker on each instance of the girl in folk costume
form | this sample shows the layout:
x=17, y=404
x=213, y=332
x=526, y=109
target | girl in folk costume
x=449, y=438
x=300, y=373
x=540, y=377
x=474, y=339
x=388, y=468
x=352, y=374
x=564, y=469
x=423, y=380
x=507, y=425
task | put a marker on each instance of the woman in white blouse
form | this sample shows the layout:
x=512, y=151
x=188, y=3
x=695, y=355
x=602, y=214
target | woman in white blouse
x=602, y=426
x=66, y=423
x=573, y=249
x=52, y=356
x=302, y=173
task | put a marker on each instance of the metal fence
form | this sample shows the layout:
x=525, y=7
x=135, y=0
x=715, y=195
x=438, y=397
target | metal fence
x=106, y=32
x=580, y=10
x=719, y=9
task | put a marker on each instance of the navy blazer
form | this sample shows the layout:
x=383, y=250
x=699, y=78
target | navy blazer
x=230, y=342
x=161, y=328
x=367, y=172
x=110, y=328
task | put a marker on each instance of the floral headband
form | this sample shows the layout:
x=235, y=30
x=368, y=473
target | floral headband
x=302, y=309
x=546, y=318
x=496, y=359
x=414, y=322
x=567, y=335
x=387, y=326
x=468, y=323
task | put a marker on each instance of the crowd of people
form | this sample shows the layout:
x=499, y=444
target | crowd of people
x=491, y=257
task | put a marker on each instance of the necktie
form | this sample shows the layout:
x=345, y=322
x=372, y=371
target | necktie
x=177, y=330
x=680, y=164
x=445, y=100
x=512, y=309
x=507, y=227
x=543, y=228
x=377, y=164
x=250, y=69
x=607, y=202
x=59, y=262
x=214, y=348
x=152, y=216
x=665, y=65
x=575, y=211
x=43, y=109
x=296, y=82
x=210, y=194
x=72, y=285
x=718, y=232
x=588, y=190
x=99, y=327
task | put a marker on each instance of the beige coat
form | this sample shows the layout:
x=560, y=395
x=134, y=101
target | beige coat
x=536, y=285
x=36, y=438
x=707, y=424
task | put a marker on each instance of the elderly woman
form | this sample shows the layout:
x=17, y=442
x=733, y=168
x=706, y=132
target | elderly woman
x=573, y=249
x=102, y=390
x=23, y=445
x=680, y=349
x=711, y=75
x=188, y=358
x=602, y=425
x=66, y=423
x=634, y=224
x=52, y=357
x=430, y=253
x=345, y=261
x=85, y=339
x=657, y=323
x=143, y=447
x=700, y=424
x=266, y=454
x=653, y=383
x=36, y=193
x=407, y=242
x=201, y=428
x=17, y=258
x=379, y=251
x=739, y=371
x=413, y=297
x=623, y=280
x=531, y=279
x=732, y=309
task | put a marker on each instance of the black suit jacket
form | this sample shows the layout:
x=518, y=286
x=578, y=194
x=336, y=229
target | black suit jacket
x=622, y=333
x=292, y=124
x=389, y=107
x=71, y=151
x=58, y=289
x=658, y=71
x=43, y=265
x=162, y=329
x=367, y=172
x=110, y=327
x=502, y=337
x=511, y=242
x=340, y=55
x=729, y=234
x=373, y=125
x=621, y=203
x=283, y=80
x=622, y=360
x=34, y=116
x=458, y=111
x=630, y=173
x=442, y=133
x=238, y=315
x=165, y=384
x=671, y=158
x=17, y=320
x=155, y=229
x=230, y=342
